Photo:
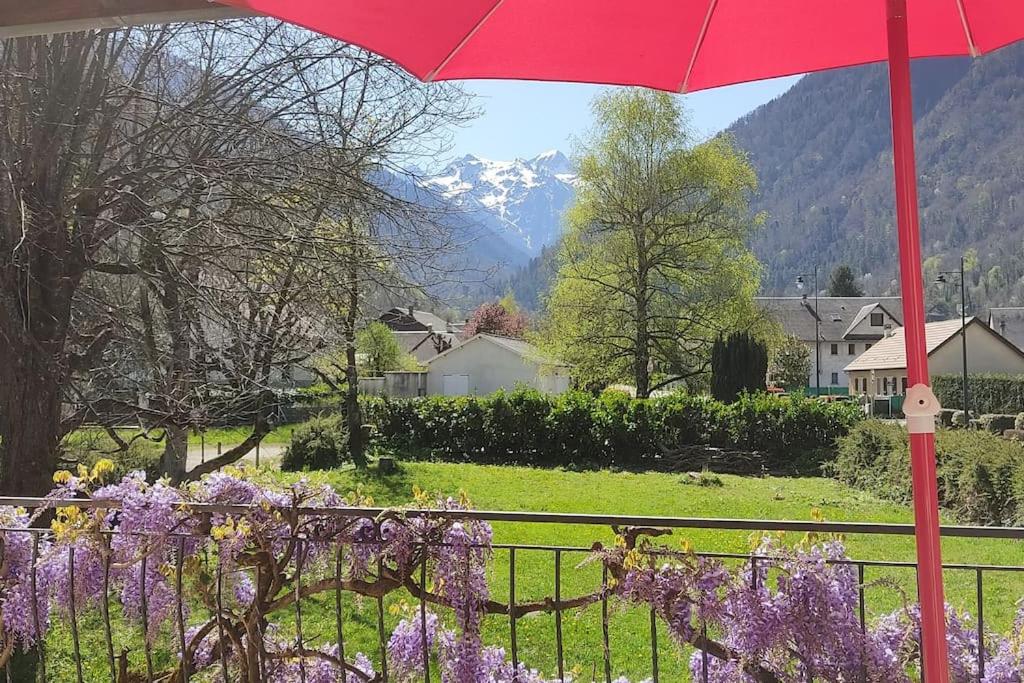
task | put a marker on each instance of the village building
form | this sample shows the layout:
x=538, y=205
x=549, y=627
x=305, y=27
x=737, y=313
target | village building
x=882, y=369
x=842, y=329
x=486, y=363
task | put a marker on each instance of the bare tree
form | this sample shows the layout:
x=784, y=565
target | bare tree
x=158, y=213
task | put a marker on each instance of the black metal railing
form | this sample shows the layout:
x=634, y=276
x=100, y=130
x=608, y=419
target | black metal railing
x=555, y=603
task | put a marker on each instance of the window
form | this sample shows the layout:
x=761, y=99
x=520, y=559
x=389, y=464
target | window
x=851, y=349
x=885, y=386
x=904, y=386
x=835, y=378
x=834, y=349
x=877, y=320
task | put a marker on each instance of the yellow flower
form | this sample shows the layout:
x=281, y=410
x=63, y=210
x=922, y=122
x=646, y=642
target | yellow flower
x=61, y=477
x=103, y=467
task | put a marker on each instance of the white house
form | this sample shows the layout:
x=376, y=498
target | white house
x=486, y=363
x=882, y=370
x=846, y=327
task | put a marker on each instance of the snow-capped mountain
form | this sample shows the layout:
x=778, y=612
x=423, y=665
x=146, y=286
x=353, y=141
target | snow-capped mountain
x=522, y=199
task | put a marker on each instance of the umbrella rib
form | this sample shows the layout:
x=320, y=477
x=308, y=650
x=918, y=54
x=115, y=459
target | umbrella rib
x=462, y=43
x=971, y=46
x=712, y=5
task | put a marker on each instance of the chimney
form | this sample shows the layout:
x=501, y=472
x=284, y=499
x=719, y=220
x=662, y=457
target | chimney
x=411, y=311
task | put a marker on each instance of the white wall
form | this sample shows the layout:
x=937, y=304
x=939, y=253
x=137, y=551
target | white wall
x=491, y=367
x=985, y=353
x=830, y=363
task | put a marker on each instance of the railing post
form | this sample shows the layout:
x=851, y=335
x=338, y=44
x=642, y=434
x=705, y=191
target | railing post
x=558, y=616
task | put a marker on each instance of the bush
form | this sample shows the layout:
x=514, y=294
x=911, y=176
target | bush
x=986, y=393
x=320, y=444
x=579, y=430
x=981, y=475
x=997, y=424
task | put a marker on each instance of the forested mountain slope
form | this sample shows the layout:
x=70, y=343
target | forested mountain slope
x=822, y=155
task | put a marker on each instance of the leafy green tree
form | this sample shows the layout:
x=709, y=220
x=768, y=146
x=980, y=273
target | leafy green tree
x=843, y=282
x=790, y=364
x=654, y=263
x=739, y=363
x=380, y=351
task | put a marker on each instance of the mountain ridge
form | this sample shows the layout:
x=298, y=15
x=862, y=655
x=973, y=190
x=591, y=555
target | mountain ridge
x=522, y=199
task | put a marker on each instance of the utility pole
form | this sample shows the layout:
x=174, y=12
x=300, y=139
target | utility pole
x=817, y=327
x=963, y=324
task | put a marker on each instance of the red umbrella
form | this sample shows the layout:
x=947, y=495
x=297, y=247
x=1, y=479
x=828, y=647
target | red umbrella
x=687, y=45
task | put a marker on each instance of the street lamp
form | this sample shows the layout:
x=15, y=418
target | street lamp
x=817, y=327
x=943, y=279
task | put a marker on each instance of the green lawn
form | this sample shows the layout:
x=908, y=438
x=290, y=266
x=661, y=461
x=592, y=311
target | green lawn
x=508, y=488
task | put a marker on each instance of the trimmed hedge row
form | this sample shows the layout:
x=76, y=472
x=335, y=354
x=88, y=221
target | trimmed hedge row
x=981, y=475
x=580, y=430
x=988, y=393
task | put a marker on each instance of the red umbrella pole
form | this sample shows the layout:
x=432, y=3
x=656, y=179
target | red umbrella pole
x=922, y=433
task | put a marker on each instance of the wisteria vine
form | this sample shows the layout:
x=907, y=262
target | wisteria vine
x=266, y=548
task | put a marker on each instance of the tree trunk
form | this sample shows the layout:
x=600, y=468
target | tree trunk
x=354, y=416
x=174, y=461
x=30, y=429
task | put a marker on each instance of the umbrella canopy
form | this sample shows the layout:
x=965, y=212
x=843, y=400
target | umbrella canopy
x=673, y=45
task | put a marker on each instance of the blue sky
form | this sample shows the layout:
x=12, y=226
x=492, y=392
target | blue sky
x=523, y=119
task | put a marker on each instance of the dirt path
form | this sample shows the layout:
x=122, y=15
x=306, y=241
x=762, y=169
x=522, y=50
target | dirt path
x=270, y=454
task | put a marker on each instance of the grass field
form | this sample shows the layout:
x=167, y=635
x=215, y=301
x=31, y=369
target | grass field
x=507, y=488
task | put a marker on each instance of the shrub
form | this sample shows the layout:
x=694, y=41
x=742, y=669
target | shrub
x=997, y=424
x=1018, y=422
x=987, y=393
x=576, y=429
x=795, y=432
x=321, y=443
x=981, y=475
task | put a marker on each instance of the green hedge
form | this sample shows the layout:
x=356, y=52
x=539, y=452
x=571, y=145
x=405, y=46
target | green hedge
x=981, y=476
x=611, y=430
x=987, y=393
